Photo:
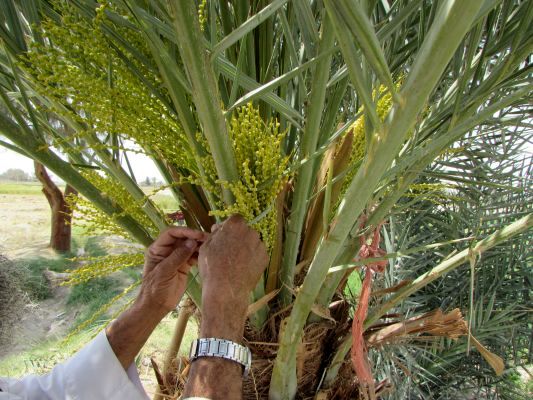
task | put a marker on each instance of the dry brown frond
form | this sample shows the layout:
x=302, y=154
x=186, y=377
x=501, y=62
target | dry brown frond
x=434, y=323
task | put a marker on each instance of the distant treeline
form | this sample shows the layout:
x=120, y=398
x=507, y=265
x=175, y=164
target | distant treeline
x=18, y=175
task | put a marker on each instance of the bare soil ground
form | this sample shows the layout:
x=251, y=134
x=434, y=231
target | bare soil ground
x=24, y=225
x=24, y=229
x=43, y=321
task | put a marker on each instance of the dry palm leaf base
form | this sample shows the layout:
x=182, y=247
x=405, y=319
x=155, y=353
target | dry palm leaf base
x=318, y=345
x=310, y=361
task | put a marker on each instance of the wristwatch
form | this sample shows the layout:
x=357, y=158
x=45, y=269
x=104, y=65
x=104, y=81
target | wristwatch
x=213, y=347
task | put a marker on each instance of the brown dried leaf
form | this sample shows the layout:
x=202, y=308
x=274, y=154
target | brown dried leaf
x=322, y=311
x=263, y=301
x=322, y=395
x=301, y=357
x=434, y=323
x=340, y=154
x=494, y=361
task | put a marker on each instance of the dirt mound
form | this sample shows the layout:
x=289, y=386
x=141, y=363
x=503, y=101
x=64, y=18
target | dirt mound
x=12, y=298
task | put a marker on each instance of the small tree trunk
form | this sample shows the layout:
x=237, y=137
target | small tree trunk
x=61, y=213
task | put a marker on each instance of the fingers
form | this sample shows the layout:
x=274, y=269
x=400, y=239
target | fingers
x=179, y=258
x=168, y=240
x=234, y=220
x=169, y=237
x=235, y=224
x=193, y=260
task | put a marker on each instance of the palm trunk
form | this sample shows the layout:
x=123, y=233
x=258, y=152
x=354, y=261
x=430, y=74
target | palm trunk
x=61, y=213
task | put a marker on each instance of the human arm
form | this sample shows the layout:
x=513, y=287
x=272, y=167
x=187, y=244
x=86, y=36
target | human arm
x=167, y=262
x=230, y=262
x=92, y=373
x=104, y=368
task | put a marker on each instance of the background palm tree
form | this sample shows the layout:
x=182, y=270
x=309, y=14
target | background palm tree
x=316, y=120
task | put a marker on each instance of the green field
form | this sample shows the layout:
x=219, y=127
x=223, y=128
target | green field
x=44, y=356
x=167, y=202
x=20, y=188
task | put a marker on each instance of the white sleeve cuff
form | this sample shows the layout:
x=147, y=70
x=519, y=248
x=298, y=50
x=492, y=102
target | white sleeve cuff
x=95, y=373
x=195, y=398
x=91, y=374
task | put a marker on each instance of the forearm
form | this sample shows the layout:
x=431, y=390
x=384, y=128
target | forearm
x=130, y=331
x=92, y=373
x=213, y=377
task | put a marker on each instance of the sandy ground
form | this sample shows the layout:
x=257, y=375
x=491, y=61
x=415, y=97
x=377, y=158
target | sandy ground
x=24, y=229
x=40, y=322
x=24, y=225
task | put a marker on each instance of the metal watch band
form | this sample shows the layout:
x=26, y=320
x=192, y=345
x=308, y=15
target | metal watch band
x=213, y=347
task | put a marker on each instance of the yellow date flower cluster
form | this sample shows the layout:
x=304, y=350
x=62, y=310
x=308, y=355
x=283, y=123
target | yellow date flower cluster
x=95, y=221
x=358, y=130
x=261, y=166
x=97, y=267
x=435, y=193
x=106, y=95
x=202, y=14
x=383, y=107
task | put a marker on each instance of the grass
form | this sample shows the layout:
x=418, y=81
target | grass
x=90, y=296
x=42, y=358
x=32, y=268
x=162, y=335
x=163, y=199
x=33, y=282
x=24, y=188
x=93, y=248
x=165, y=202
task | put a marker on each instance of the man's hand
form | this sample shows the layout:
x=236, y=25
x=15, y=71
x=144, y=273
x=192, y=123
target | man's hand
x=167, y=262
x=231, y=262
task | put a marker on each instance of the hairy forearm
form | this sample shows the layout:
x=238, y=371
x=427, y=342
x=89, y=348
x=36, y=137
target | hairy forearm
x=213, y=377
x=130, y=331
x=223, y=320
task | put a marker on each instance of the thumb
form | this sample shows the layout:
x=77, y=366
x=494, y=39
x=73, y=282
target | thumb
x=179, y=256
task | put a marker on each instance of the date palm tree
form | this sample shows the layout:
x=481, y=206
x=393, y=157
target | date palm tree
x=316, y=120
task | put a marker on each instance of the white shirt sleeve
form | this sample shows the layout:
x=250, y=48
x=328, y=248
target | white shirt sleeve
x=92, y=373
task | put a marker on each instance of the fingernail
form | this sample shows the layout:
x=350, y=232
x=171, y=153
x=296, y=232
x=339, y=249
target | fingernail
x=190, y=244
